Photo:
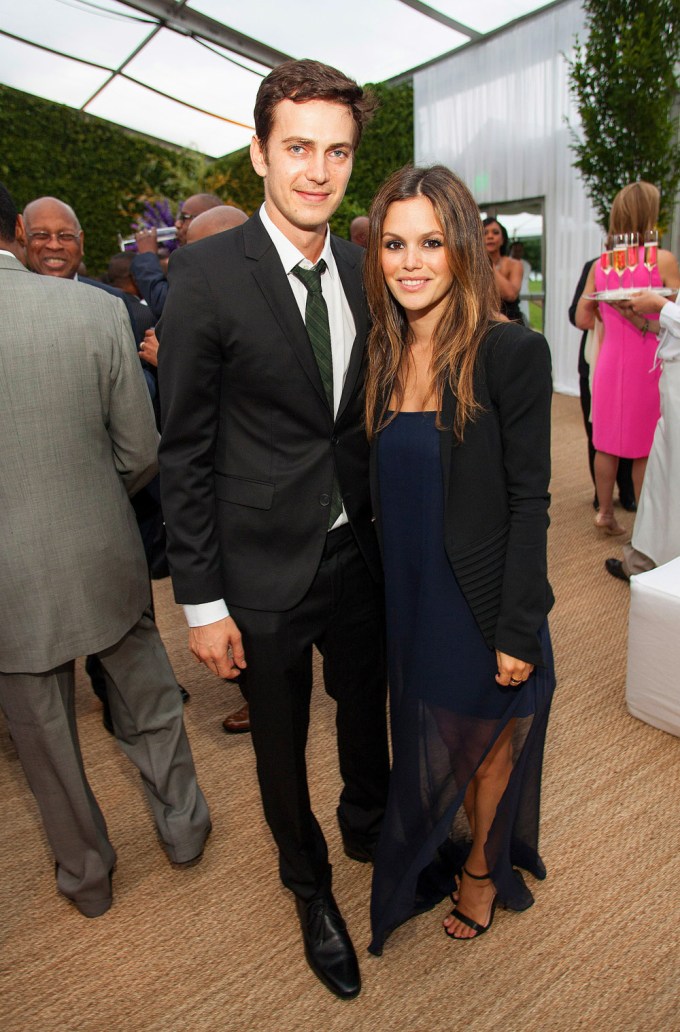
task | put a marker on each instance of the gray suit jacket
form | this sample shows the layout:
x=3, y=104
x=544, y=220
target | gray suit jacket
x=78, y=436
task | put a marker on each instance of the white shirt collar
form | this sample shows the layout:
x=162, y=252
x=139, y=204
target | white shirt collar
x=288, y=252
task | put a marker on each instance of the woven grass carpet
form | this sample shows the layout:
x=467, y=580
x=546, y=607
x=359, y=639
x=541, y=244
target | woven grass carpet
x=217, y=947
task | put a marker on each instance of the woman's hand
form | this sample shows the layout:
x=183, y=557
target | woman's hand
x=642, y=317
x=512, y=672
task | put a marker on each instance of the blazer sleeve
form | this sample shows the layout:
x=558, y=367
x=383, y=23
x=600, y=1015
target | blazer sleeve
x=520, y=387
x=153, y=286
x=130, y=418
x=189, y=374
x=580, y=287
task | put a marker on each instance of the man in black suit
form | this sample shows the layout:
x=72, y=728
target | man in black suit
x=262, y=437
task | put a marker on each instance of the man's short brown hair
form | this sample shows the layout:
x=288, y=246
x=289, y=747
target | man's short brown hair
x=300, y=81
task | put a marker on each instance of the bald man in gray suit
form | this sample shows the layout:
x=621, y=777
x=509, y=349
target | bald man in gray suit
x=78, y=438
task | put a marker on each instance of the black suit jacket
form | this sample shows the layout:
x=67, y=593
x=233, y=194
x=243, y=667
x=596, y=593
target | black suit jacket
x=249, y=444
x=151, y=281
x=496, y=491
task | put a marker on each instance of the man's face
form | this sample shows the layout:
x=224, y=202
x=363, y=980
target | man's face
x=54, y=239
x=307, y=164
x=192, y=207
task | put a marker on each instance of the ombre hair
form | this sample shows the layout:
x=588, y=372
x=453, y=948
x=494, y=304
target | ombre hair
x=471, y=304
x=635, y=208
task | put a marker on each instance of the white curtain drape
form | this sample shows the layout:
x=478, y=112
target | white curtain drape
x=495, y=114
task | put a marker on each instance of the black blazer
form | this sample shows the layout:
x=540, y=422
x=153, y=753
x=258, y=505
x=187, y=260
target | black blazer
x=249, y=444
x=496, y=491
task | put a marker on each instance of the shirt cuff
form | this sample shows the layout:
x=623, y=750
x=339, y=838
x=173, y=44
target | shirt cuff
x=205, y=612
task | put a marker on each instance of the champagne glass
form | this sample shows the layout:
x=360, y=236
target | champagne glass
x=606, y=259
x=620, y=244
x=651, y=251
x=632, y=255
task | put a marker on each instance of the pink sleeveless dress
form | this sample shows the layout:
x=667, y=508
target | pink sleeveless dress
x=625, y=407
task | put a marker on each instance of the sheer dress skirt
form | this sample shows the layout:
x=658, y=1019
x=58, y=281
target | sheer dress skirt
x=446, y=709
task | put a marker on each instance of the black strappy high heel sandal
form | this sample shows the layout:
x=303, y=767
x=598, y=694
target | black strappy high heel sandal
x=460, y=916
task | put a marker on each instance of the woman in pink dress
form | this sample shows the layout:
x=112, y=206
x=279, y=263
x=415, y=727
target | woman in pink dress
x=625, y=386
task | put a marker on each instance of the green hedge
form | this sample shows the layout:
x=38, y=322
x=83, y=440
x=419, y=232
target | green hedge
x=106, y=173
x=101, y=170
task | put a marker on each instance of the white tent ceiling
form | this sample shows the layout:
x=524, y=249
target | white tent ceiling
x=187, y=71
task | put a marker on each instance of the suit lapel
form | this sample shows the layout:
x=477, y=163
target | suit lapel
x=272, y=281
x=350, y=275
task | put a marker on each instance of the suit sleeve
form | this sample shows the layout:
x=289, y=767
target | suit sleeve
x=520, y=385
x=580, y=287
x=189, y=371
x=153, y=286
x=131, y=423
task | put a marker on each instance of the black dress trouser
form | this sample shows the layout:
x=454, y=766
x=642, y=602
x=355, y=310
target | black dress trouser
x=342, y=614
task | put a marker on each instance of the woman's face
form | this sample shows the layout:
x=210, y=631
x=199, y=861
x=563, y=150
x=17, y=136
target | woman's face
x=414, y=257
x=493, y=237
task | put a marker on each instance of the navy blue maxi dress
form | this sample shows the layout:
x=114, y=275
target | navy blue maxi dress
x=446, y=707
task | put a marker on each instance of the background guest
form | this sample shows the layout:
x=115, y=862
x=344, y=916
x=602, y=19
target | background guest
x=517, y=252
x=79, y=438
x=149, y=274
x=656, y=534
x=507, y=272
x=358, y=230
x=625, y=406
x=624, y=478
x=55, y=247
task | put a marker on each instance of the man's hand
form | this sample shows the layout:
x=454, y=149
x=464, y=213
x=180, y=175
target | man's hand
x=148, y=349
x=146, y=241
x=219, y=646
x=647, y=302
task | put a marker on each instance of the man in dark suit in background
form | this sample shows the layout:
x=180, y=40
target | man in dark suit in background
x=146, y=267
x=264, y=482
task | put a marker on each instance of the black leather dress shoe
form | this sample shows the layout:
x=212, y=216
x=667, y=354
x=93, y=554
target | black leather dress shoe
x=328, y=947
x=615, y=567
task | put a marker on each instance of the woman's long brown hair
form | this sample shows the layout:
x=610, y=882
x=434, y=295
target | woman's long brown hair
x=472, y=301
x=635, y=208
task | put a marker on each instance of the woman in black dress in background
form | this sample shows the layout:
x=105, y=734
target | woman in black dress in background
x=508, y=272
x=458, y=411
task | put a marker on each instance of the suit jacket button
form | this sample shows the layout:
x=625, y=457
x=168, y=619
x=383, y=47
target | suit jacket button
x=325, y=499
x=334, y=439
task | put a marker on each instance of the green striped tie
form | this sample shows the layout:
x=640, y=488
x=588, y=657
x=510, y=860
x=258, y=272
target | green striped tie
x=316, y=321
x=319, y=331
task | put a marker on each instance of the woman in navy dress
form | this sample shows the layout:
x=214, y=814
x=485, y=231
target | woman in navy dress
x=458, y=411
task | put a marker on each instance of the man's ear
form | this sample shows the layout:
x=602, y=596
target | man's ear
x=257, y=157
x=82, y=244
x=20, y=230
